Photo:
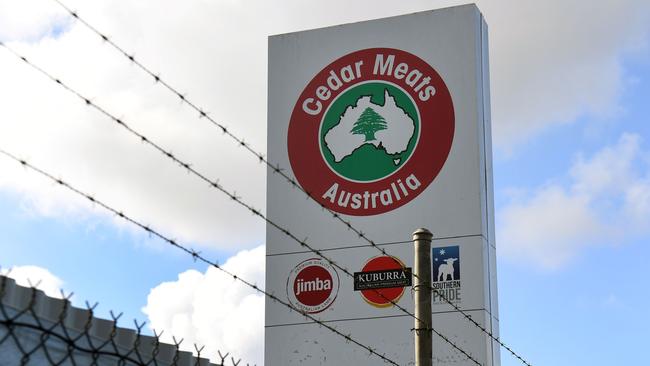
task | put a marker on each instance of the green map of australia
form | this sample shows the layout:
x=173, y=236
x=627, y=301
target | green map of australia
x=374, y=134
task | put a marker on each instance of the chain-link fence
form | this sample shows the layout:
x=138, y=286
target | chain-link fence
x=37, y=330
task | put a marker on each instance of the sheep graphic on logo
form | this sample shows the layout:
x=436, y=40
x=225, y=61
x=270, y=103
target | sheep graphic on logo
x=447, y=269
x=446, y=264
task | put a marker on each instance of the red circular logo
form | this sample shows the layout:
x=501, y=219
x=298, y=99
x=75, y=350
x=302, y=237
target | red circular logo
x=382, y=298
x=312, y=286
x=371, y=131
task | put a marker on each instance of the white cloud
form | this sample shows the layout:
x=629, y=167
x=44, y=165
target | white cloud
x=555, y=61
x=637, y=201
x=548, y=228
x=28, y=276
x=610, y=170
x=550, y=65
x=30, y=19
x=607, y=202
x=613, y=302
x=214, y=310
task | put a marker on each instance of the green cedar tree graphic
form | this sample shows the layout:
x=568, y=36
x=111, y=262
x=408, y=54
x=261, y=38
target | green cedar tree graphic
x=368, y=123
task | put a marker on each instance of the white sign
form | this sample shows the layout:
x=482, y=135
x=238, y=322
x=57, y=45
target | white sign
x=385, y=124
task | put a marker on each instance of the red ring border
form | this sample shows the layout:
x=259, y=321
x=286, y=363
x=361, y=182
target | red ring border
x=437, y=127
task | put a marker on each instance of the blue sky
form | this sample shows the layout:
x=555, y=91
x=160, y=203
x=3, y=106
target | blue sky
x=585, y=135
x=572, y=227
x=594, y=310
x=106, y=257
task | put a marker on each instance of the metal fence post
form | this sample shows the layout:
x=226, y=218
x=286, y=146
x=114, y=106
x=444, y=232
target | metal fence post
x=422, y=296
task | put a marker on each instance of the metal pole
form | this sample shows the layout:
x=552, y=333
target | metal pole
x=422, y=296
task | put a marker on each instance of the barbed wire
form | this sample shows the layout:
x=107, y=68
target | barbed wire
x=203, y=114
x=275, y=168
x=216, y=185
x=197, y=256
x=91, y=342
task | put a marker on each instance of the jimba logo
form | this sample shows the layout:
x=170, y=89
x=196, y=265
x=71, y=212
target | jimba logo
x=371, y=131
x=312, y=286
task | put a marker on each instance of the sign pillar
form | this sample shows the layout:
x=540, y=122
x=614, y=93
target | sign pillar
x=385, y=124
x=422, y=298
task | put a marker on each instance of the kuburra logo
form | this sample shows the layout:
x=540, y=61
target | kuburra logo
x=382, y=280
x=312, y=286
x=371, y=131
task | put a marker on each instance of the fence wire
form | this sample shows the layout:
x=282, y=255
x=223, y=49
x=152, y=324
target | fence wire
x=216, y=185
x=198, y=257
x=36, y=330
x=273, y=168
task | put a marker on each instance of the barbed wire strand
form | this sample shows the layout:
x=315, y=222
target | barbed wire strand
x=260, y=156
x=203, y=114
x=216, y=185
x=275, y=168
x=196, y=256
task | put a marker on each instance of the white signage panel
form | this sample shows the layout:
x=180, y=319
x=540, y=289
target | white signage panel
x=385, y=125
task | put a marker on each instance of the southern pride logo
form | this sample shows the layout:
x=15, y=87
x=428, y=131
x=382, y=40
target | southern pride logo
x=371, y=131
x=446, y=274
